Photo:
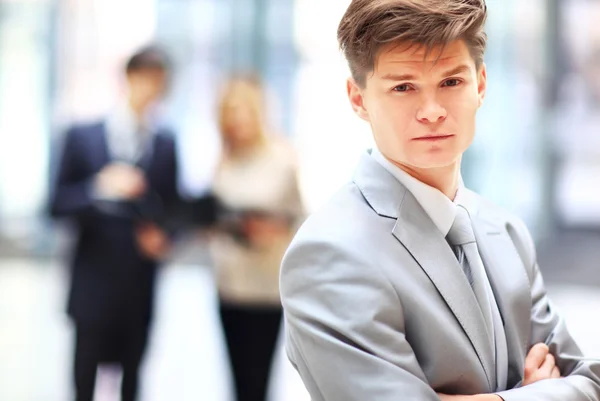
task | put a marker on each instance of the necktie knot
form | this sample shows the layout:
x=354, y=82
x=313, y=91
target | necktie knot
x=461, y=232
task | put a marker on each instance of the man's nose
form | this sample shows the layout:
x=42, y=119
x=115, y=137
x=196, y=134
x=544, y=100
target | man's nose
x=431, y=111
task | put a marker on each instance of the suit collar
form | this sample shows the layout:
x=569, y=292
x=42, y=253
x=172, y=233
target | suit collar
x=382, y=191
x=437, y=205
x=376, y=176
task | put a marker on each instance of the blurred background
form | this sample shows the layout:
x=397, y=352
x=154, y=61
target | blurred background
x=537, y=153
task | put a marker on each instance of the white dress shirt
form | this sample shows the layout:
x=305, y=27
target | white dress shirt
x=127, y=139
x=127, y=135
x=440, y=209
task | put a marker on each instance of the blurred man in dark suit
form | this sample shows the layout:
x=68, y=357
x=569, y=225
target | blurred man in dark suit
x=116, y=180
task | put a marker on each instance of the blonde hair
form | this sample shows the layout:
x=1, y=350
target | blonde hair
x=249, y=92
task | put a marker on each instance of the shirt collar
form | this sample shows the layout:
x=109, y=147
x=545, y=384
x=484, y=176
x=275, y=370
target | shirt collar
x=124, y=119
x=440, y=209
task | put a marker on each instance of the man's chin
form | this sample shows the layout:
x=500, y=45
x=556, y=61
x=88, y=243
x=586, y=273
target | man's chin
x=437, y=163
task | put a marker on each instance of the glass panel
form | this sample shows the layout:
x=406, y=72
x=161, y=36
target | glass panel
x=577, y=116
x=24, y=93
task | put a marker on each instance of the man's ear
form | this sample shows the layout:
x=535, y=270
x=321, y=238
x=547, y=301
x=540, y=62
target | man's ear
x=481, y=83
x=356, y=97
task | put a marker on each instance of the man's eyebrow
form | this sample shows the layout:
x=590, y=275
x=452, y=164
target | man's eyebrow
x=410, y=77
x=456, y=70
x=399, y=77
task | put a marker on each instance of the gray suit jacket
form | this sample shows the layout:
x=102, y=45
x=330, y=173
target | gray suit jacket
x=377, y=307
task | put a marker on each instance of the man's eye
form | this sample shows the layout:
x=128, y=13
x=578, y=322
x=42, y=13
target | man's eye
x=452, y=82
x=402, y=88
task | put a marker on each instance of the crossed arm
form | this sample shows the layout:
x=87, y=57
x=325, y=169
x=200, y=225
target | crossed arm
x=581, y=379
x=350, y=347
x=540, y=364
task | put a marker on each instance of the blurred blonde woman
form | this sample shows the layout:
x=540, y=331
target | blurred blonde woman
x=256, y=184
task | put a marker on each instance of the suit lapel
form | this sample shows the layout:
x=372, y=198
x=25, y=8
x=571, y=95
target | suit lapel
x=415, y=230
x=101, y=149
x=145, y=161
x=511, y=289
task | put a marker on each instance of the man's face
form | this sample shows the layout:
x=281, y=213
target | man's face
x=422, y=112
x=147, y=86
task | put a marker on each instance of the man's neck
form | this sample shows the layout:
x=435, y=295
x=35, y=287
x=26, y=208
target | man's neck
x=444, y=179
x=138, y=109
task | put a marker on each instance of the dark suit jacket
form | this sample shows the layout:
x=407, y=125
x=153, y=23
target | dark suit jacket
x=110, y=281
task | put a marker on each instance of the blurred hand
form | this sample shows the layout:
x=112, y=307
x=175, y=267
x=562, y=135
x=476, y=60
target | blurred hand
x=540, y=365
x=262, y=231
x=152, y=242
x=121, y=181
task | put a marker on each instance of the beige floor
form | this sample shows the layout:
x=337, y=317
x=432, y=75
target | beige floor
x=186, y=359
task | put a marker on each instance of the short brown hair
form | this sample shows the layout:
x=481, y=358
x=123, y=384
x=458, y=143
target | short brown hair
x=368, y=25
x=151, y=57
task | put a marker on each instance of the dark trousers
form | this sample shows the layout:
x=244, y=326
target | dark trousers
x=123, y=344
x=251, y=337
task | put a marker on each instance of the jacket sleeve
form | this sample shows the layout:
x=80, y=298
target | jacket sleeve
x=345, y=328
x=581, y=376
x=71, y=192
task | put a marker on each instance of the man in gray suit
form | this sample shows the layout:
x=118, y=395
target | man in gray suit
x=406, y=285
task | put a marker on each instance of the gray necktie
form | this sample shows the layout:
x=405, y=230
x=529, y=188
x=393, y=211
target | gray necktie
x=462, y=239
